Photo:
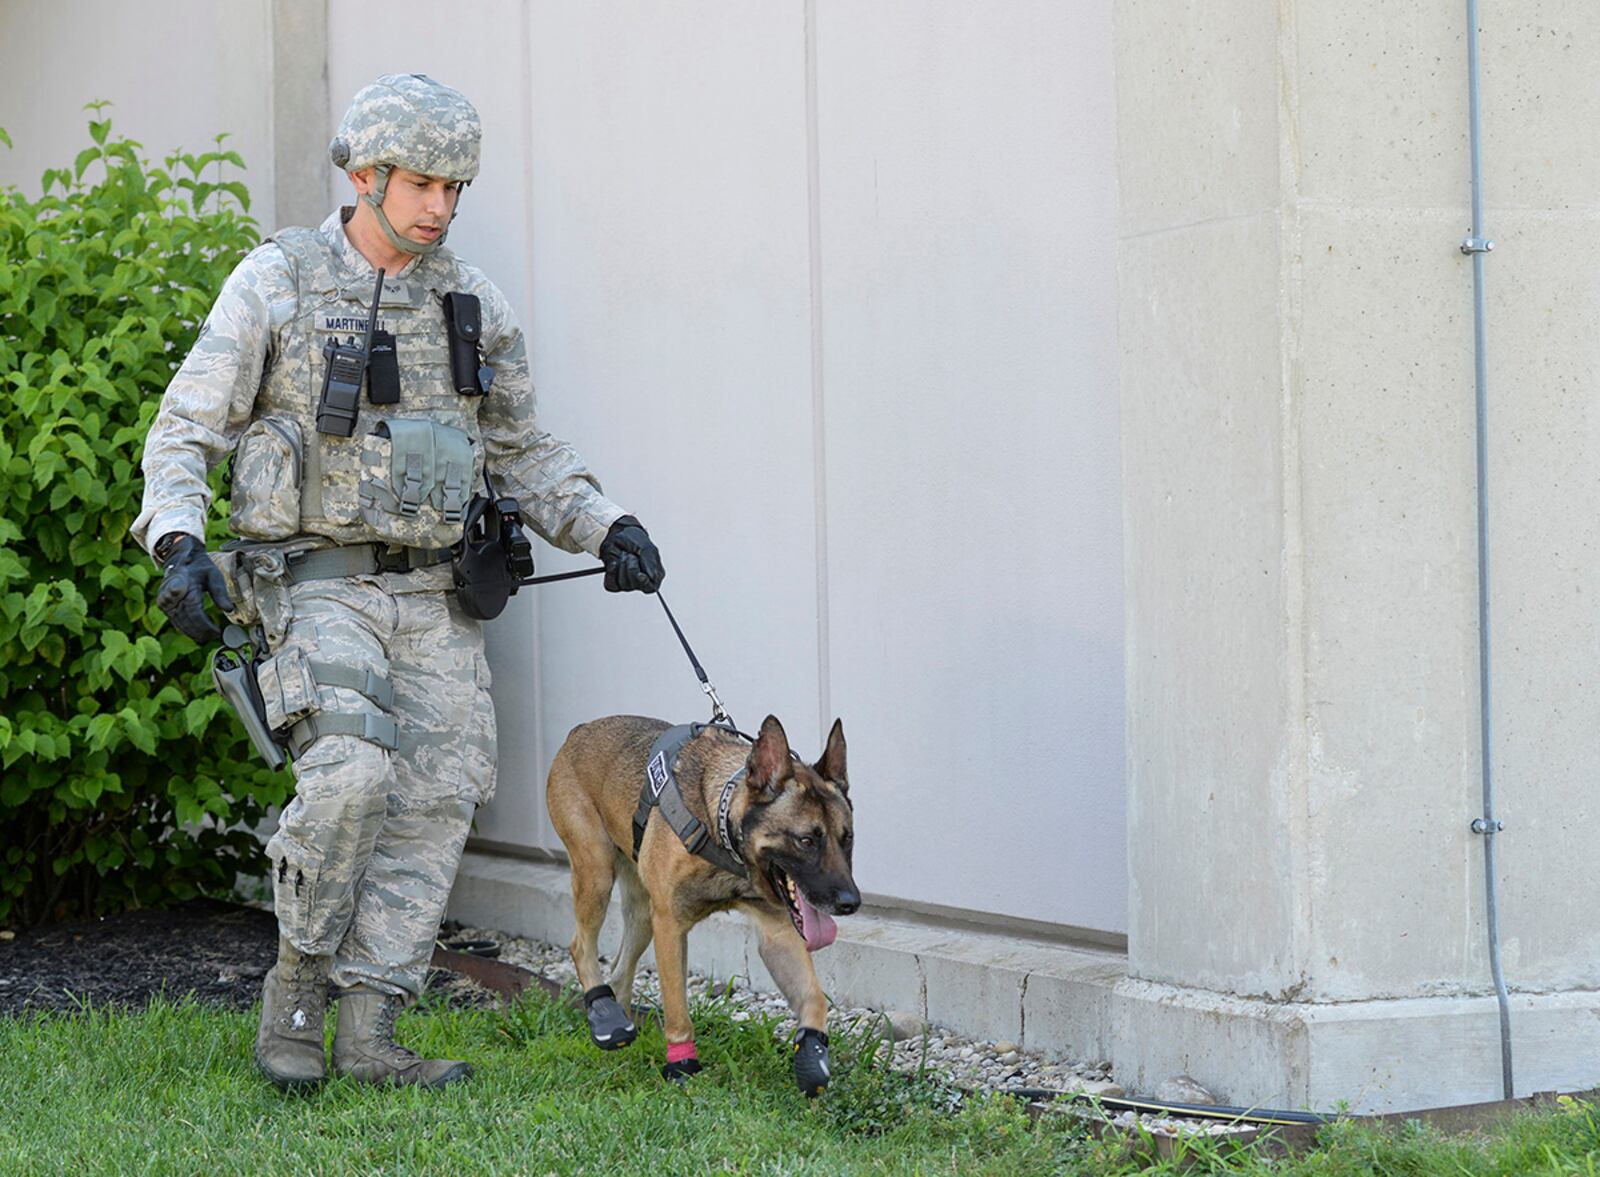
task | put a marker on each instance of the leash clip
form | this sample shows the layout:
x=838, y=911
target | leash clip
x=719, y=713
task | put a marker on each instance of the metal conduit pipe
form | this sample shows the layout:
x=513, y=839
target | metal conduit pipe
x=1477, y=246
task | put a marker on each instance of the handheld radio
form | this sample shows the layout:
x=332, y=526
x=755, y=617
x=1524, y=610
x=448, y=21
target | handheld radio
x=341, y=378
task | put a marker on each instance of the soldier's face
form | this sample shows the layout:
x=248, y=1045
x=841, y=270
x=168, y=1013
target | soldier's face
x=419, y=207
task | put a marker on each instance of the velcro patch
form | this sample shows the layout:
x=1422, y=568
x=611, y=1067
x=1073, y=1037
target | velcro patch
x=347, y=324
x=656, y=773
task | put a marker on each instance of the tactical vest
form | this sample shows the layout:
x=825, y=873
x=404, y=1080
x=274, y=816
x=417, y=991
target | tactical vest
x=409, y=470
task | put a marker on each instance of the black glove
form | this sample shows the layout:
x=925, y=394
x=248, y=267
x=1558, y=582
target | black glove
x=632, y=563
x=189, y=575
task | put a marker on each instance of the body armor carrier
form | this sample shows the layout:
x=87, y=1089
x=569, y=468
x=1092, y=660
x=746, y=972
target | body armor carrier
x=408, y=471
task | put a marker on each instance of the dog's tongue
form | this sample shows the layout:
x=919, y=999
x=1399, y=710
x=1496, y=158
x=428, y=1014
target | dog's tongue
x=817, y=927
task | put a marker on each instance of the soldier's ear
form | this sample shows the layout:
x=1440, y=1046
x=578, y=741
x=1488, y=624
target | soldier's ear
x=363, y=179
x=769, y=764
x=831, y=766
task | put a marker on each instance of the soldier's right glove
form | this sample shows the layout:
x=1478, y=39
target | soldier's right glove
x=632, y=562
x=188, y=577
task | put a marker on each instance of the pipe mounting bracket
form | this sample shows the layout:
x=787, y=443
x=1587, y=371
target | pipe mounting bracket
x=1471, y=245
x=1487, y=825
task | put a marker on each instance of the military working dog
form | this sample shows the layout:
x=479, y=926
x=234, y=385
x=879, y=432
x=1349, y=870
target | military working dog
x=781, y=834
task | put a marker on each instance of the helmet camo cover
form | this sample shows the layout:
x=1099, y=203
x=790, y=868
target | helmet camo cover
x=412, y=122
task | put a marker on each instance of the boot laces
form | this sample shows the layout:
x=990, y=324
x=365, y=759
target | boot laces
x=388, y=1014
x=305, y=988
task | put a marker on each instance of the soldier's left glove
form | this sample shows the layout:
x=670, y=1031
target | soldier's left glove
x=632, y=563
x=188, y=578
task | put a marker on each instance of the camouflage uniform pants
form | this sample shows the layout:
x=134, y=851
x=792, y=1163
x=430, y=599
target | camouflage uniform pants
x=367, y=851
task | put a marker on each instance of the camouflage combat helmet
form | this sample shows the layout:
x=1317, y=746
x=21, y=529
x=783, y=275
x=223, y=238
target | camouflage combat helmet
x=413, y=122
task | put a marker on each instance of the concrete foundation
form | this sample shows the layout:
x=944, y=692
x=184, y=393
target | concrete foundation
x=1080, y=1003
x=1043, y=996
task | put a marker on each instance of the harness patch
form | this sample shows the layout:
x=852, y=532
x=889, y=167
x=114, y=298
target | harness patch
x=657, y=774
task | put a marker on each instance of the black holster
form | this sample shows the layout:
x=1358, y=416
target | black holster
x=481, y=571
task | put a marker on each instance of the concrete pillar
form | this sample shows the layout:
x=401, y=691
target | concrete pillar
x=1306, y=904
x=302, y=123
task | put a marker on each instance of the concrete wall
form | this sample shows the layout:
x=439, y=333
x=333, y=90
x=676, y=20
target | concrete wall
x=849, y=352
x=1299, y=464
x=59, y=56
x=826, y=294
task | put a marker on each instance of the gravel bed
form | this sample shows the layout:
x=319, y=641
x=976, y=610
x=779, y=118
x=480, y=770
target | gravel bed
x=935, y=1050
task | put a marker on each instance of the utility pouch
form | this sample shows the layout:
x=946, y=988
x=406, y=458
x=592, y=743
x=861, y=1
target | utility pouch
x=383, y=370
x=266, y=474
x=416, y=476
x=463, y=320
x=233, y=671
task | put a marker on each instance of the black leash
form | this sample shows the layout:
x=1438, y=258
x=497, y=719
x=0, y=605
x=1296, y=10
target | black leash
x=719, y=713
x=555, y=576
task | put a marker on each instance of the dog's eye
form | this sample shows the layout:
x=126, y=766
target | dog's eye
x=807, y=841
x=847, y=837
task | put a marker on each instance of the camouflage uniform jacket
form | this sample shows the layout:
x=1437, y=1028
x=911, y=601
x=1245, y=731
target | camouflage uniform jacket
x=251, y=383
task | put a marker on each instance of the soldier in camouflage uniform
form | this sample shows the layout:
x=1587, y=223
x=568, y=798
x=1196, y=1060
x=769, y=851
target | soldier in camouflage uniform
x=342, y=559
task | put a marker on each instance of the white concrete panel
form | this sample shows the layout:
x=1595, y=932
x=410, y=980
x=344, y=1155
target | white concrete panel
x=142, y=58
x=491, y=230
x=1404, y=66
x=1212, y=784
x=1392, y=592
x=968, y=224
x=1391, y=603
x=670, y=337
x=1543, y=285
x=1197, y=89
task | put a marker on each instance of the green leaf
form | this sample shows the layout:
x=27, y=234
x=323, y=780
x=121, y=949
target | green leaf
x=109, y=272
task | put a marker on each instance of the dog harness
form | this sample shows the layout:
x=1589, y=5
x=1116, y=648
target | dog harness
x=661, y=791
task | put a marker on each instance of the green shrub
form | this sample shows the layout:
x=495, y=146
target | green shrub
x=124, y=781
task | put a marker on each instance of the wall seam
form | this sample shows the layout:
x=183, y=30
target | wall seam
x=1297, y=746
x=819, y=436
x=536, y=613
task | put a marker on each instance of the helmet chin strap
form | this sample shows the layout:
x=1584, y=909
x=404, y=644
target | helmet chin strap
x=375, y=200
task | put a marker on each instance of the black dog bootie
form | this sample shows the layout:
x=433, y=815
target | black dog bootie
x=609, y=1024
x=811, y=1062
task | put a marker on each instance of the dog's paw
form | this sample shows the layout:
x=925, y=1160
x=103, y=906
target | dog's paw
x=609, y=1024
x=680, y=1071
x=811, y=1069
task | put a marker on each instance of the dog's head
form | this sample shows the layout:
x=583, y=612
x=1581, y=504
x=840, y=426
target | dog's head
x=798, y=831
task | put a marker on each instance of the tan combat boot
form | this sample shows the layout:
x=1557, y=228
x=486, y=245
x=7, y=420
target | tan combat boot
x=364, y=1047
x=294, y=999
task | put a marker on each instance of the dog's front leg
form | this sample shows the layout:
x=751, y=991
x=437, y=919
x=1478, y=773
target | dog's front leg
x=672, y=968
x=787, y=959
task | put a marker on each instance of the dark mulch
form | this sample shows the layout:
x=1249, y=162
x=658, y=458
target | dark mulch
x=216, y=952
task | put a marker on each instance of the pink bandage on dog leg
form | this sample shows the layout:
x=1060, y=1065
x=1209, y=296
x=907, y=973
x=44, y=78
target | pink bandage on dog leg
x=678, y=1051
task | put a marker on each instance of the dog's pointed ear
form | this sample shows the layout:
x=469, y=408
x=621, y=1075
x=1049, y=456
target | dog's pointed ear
x=831, y=766
x=769, y=762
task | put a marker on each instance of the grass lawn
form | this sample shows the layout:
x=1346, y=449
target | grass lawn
x=173, y=1090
